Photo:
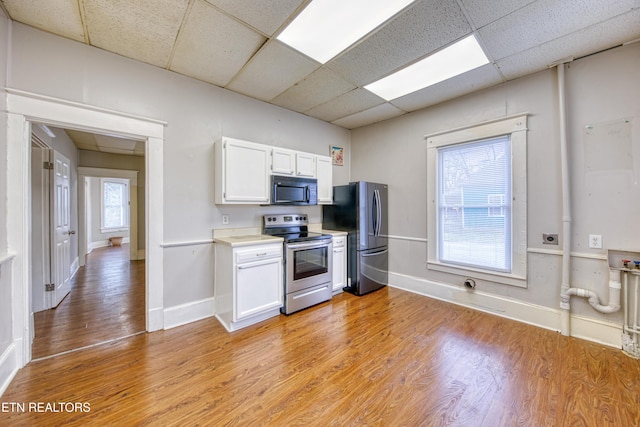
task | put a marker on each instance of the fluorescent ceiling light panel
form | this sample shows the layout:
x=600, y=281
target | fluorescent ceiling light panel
x=456, y=59
x=327, y=27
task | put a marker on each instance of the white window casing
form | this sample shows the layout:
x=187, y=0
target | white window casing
x=114, y=205
x=514, y=270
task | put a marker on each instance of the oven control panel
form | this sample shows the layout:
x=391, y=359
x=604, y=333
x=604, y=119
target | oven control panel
x=285, y=220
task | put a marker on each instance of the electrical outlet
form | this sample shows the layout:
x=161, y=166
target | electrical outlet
x=225, y=219
x=595, y=241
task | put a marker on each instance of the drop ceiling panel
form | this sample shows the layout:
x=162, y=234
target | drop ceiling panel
x=264, y=15
x=350, y=103
x=578, y=44
x=373, y=115
x=318, y=88
x=144, y=29
x=271, y=71
x=425, y=27
x=483, y=12
x=470, y=81
x=60, y=17
x=231, y=44
x=213, y=47
x=543, y=21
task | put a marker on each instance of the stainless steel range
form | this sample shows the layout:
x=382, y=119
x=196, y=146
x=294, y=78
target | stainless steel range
x=307, y=261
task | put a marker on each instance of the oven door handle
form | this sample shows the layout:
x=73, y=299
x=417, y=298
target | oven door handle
x=308, y=245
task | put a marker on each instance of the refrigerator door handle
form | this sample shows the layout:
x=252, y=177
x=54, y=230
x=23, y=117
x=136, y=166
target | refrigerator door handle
x=374, y=213
x=375, y=253
x=378, y=212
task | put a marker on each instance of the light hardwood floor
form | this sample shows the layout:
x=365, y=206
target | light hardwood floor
x=390, y=358
x=106, y=301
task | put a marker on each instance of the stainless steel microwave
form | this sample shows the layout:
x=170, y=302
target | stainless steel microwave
x=293, y=191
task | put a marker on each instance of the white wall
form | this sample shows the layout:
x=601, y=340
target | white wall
x=8, y=358
x=601, y=88
x=197, y=114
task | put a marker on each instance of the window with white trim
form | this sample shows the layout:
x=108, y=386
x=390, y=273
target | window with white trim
x=476, y=181
x=114, y=204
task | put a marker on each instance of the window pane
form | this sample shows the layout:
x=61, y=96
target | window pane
x=474, y=200
x=114, y=199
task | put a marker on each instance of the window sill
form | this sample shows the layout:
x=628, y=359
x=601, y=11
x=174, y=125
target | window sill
x=474, y=273
x=114, y=230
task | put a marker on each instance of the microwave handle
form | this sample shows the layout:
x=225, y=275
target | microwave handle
x=307, y=194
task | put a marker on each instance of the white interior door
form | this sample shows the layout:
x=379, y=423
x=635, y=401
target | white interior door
x=61, y=231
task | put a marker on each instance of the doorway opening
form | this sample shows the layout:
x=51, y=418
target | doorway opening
x=102, y=296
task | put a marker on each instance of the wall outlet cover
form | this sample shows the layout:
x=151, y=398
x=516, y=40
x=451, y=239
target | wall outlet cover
x=595, y=241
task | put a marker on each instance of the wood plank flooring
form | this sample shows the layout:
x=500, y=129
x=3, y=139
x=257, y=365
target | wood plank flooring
x=107, y=301
x=390, y=358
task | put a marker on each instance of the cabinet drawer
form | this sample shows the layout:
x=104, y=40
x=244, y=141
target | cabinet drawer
x=338, y=242
x=257, y=254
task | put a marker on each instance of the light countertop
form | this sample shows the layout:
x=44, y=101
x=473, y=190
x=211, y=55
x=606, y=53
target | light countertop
x=334, y=232
x=247, y=240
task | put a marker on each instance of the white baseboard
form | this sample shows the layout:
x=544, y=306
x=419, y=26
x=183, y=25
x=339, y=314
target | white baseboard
x=589, y=329
x=8, y=367
x=155, y=319
x=187, y=313
x=102, y=244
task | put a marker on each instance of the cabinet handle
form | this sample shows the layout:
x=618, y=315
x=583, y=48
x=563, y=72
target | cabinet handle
x=262, y=254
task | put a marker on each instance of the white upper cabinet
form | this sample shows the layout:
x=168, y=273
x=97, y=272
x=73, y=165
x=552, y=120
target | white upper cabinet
x=241, y=172
x=325, y=179
x=283, y=162
x=305, y=165
x=293, y=163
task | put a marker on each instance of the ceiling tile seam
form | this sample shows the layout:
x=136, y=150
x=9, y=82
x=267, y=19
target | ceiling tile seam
x=467, y=16
x=290, y=19
x=186, y=15
x=382, y=101
x=500, y=17
x=238, y=20
x=264, y=45
x=320, y=66
x=83, y=22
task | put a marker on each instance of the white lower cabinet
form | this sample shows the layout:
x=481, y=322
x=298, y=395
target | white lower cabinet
x=248, y=287
x=339, y=263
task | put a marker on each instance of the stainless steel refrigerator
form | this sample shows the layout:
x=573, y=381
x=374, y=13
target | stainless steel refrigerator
x=360, y=209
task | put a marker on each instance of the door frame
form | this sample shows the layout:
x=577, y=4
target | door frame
x=23, y=108
x=40, y=231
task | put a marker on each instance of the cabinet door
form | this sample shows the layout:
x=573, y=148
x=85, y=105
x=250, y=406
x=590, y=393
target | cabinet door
x=339, y=277
x=246, y=172
x=325, y=180
x=258, y=287
x=306, y=165
x=283, y=162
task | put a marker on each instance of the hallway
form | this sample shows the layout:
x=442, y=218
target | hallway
x=106, y=302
